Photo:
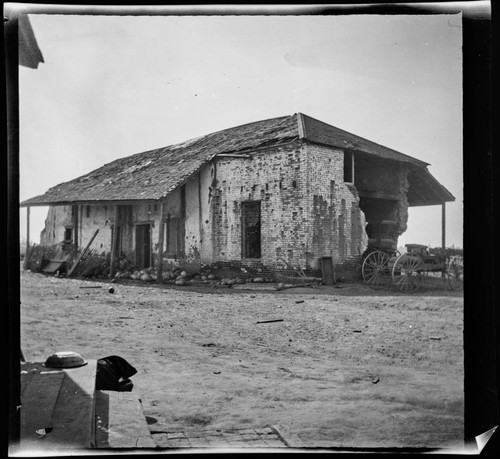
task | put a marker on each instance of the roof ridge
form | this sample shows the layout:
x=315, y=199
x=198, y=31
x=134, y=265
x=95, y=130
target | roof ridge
x=236, y=127
x=301, y=125
x=202, y=136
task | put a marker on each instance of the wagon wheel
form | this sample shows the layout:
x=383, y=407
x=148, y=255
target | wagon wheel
x=373, y=268
x=407, y=273
x=455, y=274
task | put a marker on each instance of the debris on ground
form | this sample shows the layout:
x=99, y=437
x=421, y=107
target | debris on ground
x=282, y=286
x=311, y=344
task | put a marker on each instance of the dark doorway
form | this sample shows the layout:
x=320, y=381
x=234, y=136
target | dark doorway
x=250, y=224
x=143, y=245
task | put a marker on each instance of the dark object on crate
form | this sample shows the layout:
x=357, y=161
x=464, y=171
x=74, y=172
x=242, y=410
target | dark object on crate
x=113, y=373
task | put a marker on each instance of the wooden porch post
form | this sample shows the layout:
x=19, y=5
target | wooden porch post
x=113, y=243
x=27, y=229
x=28, y=243
x=443, y=225
x=76, y=210
x=443, y=230
x=161, y=238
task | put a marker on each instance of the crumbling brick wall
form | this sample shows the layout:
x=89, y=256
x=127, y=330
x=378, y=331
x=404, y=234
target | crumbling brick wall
x=337, y=224
x=401, y=211
x=275, y=177
x=307, y=210
x=385, y=180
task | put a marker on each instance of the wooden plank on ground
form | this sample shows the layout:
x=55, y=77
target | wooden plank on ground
x=120, y=421
x=37, y=405
x=73, y=415
x=53, y=266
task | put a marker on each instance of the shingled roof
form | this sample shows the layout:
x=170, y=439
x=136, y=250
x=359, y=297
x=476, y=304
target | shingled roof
x=152, y=175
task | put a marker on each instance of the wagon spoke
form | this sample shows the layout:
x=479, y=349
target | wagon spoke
x=374, y=268
x=400, y=280
x=370, y=276
x=406, y=272
x=403, y=284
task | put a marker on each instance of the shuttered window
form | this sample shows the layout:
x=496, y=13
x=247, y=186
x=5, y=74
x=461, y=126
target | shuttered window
x=173, y=233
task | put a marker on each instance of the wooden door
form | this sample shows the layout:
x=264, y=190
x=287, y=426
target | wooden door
x=143, y=245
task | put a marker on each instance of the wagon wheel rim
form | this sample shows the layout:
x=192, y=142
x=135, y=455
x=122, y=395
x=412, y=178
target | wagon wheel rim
x=407, y=274
x=455, y=275
x=373, y=268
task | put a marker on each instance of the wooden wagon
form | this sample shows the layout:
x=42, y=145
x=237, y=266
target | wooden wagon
x=383, y=264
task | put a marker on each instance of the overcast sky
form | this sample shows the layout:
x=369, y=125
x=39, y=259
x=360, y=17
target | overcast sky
x=112, y=86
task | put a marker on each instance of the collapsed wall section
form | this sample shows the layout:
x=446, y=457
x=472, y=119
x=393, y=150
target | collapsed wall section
x=383, y=187
x=58, y=217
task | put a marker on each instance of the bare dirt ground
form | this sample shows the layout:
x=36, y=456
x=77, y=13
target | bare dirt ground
x=346, y=367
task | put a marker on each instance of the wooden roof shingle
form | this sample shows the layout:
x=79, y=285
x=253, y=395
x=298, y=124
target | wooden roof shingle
x=152, y=175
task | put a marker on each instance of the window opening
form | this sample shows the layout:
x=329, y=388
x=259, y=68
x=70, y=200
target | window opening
x=348, y=167
x=68, y=234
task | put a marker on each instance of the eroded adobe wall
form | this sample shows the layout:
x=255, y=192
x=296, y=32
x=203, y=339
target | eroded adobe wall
x=92, y=218
x=58, y=217
x=374, y=175
x=99, y=216
x=401, y=210
x=88, y=219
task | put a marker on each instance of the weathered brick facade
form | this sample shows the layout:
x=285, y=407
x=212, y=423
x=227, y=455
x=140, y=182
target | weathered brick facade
x=275, y=194
x=306, y=209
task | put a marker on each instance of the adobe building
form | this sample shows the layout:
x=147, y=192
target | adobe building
x=290, y=188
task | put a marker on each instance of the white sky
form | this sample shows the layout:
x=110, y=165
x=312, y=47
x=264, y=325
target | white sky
x=112, y=86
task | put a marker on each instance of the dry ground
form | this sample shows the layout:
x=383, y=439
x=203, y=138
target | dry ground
x=345, y=367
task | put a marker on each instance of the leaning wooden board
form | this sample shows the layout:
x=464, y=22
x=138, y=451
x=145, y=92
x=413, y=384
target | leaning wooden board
x=57, y=408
